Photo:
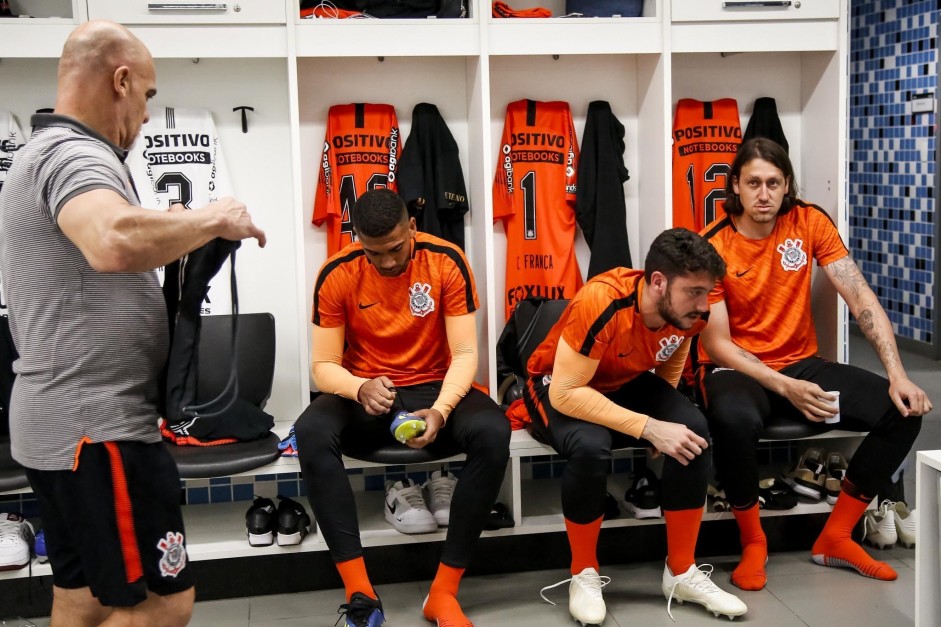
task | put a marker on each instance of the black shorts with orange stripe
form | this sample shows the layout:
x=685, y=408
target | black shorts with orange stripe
x=114, y=523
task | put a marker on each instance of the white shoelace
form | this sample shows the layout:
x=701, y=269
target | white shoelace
x=441, y=489
x=412, y=496
x=700, y=580
x=592, y=583
x=11, y=531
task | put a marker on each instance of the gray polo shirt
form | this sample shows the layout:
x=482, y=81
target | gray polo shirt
x=91, y=344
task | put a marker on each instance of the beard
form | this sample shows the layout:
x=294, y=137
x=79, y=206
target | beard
x=668, y=313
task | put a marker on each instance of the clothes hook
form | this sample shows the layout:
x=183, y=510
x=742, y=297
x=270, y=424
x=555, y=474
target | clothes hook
x=244, y=116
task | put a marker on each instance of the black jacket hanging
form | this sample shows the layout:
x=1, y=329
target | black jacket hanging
x=430, y=180
x=599, y=202
x=764, y=122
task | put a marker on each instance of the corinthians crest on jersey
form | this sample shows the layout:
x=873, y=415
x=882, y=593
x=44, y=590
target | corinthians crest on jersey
x=793, y=257
x=420, y=301
x=668, y=346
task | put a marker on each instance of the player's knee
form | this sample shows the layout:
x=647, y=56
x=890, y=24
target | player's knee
x=310, y=433
x=173, y=610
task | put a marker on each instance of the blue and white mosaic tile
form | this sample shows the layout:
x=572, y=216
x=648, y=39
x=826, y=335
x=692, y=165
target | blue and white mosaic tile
x=893, y=56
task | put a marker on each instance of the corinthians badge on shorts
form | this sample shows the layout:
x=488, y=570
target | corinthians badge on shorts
x=174, y=554
x=420, y=301
x=792, y=255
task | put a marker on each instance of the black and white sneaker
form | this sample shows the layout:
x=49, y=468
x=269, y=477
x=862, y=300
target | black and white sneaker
x=260, y=522
x=643, y=498
x=405, y=508
x=293, y=522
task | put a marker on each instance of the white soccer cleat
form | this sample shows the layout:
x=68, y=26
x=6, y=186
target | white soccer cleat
x=586, y=604
x=879, y=526
x=439, y=489
x=905, y=525
x=405, y=508
x=696, y=585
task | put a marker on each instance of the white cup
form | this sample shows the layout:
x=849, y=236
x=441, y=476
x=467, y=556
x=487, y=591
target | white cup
x=836, y=405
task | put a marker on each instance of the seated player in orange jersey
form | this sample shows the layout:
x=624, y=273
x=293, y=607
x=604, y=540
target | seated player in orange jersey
x=394, y=328
x=591, y=390
x=761, y=357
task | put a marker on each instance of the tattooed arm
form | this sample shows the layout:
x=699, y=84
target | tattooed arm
x=807, y=397
x=874, y=323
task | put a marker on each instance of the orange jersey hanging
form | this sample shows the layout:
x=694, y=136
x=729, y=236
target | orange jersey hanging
x=534, y=195
x=706, y=136
x=360, y=152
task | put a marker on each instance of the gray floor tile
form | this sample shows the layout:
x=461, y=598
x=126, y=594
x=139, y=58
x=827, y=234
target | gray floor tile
x=227, y=613
x=834, y=597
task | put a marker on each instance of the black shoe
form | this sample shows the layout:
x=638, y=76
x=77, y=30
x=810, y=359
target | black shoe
x=260, y=522
x=499, y=518
x=643, y=499
x=293, y=522
x=362, y=611
x=611, y=508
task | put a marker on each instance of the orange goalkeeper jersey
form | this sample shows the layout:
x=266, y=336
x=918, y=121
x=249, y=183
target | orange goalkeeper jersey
x=360, y=152
x=395, y=325
x=604, y=322
x=706, y=136
x=767, y=288
x=534, y=195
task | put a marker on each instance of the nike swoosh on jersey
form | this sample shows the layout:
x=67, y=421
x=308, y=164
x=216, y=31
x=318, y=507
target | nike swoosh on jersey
x=362, y=306
x=737, y=274
x=625, y=354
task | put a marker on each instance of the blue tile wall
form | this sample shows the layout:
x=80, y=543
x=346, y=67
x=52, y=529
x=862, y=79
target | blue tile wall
x=893, y=55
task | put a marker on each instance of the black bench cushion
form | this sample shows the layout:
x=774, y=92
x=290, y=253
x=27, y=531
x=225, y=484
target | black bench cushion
x=777, y=428
x=395, y=454
x=201, y=462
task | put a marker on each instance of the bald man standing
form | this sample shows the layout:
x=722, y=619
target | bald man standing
x=77, y=254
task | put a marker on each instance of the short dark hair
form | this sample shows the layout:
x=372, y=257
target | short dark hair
x=679, y=251
x=766, y=150
x=377, y=212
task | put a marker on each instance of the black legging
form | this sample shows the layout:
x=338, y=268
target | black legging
x=587, y=447
x=477, y=427
x=738, y=407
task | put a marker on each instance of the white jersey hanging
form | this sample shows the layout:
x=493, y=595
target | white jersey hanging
x=177, y=158
x=11, y=140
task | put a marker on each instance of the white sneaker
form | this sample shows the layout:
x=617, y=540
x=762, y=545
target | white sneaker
x=439, y=489
x=905, y=525
x=585, y=602
x=16, y=536
x=696, y=585
x=405, y=508
x=879, y=526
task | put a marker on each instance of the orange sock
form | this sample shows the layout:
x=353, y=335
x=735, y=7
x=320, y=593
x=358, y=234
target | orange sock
x=750, y=573
x=682, y=533
x=835, y=546
x=583, y=541
x=355, y=579
x=441, y=605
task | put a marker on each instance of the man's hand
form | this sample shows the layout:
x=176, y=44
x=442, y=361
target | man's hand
x=236, y=222
x=376, y=396
x=675, y=440
x=809, y=399
x=433, y=423
x=910, y=399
